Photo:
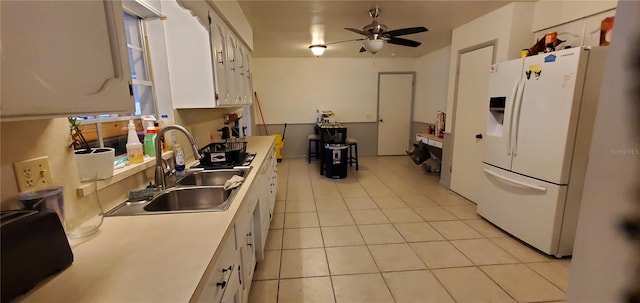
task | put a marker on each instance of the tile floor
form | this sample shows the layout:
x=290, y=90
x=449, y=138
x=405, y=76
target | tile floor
x=390, y=233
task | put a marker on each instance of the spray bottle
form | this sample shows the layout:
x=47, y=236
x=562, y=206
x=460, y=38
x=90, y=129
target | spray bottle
x=134, y=147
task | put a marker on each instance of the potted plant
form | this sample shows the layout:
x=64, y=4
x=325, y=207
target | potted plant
x=93, y=163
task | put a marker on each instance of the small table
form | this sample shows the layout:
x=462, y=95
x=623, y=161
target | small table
x=433, y=142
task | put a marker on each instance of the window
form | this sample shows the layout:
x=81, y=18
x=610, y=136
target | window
x=110, y=130
x=141, y=81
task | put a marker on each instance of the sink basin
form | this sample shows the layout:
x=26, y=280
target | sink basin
x=210, y=177
x=199, y=191
x=189, y=199
x=178, y=200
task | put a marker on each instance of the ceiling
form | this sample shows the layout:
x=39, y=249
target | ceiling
x=288, y=28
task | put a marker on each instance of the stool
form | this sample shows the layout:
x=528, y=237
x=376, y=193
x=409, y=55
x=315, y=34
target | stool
x=352, y=156
x=315, y=152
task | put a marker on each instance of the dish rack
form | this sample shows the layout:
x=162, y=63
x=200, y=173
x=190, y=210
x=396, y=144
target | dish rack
x=229, y=152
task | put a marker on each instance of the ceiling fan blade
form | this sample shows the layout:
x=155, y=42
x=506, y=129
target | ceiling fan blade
x=343, y=41
x=357, y=31
x=362, y=49
x=403, y=42
x=406, y=31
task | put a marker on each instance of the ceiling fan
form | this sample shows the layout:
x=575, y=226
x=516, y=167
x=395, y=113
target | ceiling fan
x=377, y=34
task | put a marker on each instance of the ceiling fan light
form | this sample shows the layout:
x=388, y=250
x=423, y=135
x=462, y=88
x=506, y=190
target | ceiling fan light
x=318, y=49
x=373, y=46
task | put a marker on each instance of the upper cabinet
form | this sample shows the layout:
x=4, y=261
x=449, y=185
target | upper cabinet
x=189, y=58
x=202, y=57
x=62, y=59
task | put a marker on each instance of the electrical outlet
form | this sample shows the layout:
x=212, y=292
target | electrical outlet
x=33, y=174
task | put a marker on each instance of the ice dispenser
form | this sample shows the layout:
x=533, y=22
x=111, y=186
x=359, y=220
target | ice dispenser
x=496, y=117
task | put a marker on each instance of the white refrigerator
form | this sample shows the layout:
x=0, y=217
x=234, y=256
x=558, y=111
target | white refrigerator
x=540, y=114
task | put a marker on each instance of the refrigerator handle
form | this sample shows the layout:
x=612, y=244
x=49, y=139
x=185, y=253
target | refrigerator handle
x=516, y=182
x=514, y=92
x=517, y=110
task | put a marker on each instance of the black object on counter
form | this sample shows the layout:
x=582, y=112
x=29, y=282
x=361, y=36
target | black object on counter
x=34, y=247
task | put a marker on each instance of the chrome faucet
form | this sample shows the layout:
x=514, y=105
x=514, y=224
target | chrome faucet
x=160, y=173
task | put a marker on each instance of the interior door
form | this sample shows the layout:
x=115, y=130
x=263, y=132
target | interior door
x=395, y=96
x=467, y=178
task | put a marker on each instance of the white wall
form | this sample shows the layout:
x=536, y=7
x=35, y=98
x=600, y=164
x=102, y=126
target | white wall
x=431, y=85
x=604, y=261
x=291, y=89
x=548, y=13
x=508, y=26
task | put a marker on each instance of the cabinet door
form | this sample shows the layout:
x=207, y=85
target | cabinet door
x=248, y=86
x=231, y=68
x=245, y=238
x=223, y=280
x=189, y=58
x=240, y=74
x=62, y=59
x=219, y=52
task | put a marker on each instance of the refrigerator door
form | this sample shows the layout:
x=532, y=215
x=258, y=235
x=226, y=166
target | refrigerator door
x=504, y=87
x=546, y=116
x=529, y=209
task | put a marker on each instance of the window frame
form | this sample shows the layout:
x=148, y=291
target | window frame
x=99, y=119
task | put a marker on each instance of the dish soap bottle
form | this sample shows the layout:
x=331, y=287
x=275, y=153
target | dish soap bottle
x=178, y=153
x=149, y=140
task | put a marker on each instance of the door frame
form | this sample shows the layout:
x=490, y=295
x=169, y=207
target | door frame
x=469, y=49
x=412, y=106
x=472, y=48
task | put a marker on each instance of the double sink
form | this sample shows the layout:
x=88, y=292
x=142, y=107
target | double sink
x=198, y=191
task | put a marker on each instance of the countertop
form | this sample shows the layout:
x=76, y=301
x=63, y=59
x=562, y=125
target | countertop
x=149, y=258
x=430, y=136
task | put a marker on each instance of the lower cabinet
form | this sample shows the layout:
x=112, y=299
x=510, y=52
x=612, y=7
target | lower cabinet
x=230, y=279
x=224, y=280
x=245, y=238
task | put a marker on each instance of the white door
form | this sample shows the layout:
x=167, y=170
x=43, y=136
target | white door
x=395, y=95
x=467, y=178
x=548, y=115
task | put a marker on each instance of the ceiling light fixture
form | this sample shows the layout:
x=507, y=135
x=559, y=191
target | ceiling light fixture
x=318, y=49
x=373, y=46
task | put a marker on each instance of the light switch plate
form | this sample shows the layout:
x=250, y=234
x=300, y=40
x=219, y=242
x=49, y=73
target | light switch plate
x=33, y=174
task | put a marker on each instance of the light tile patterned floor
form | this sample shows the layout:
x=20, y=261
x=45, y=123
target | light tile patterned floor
x=390, y=233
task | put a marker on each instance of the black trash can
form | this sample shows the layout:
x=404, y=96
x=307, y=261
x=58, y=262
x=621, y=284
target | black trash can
x=335, y=160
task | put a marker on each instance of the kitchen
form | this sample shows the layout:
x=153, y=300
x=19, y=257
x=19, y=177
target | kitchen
x=16, y=135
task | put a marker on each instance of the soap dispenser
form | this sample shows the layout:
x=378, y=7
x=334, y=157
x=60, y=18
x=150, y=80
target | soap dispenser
x=134, y=147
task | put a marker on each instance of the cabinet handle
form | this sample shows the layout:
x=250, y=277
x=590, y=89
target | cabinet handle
x=227, y=275
x=219, y=57
x=249, y=240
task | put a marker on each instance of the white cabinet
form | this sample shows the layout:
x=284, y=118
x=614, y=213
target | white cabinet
x=218, y=46
x=63, y=59
x=245, y=238
x=189, y=58
x=265, y=189
x=231, y=68
x=247, y=81
x=202, y=55
x=223, y=282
